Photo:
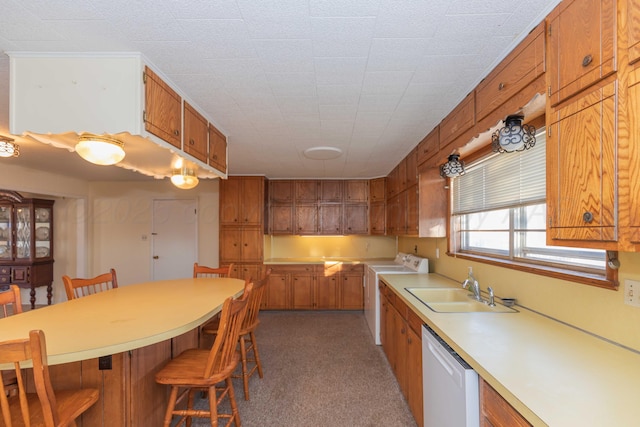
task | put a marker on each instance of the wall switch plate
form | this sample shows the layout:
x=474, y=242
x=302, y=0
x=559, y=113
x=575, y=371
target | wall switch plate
x=632, y=292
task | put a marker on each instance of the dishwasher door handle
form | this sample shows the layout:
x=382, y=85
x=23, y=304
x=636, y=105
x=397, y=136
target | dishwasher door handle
x=436, y=351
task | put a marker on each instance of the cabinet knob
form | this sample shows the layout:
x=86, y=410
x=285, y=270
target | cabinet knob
x=501, y=86
x=191, y=142
x=587, y=60
x=587, y=217
x=176, y=132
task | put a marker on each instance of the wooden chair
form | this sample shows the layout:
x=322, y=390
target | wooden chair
x=200, y=369
x=203, y=271
x=43, y=408
x=77, y=287
x=248, y=342
x=11, y=298
x=11, y=303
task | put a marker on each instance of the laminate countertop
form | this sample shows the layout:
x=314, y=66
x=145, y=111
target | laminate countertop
x=124, y=318
x=320, y=260
x=552, y=373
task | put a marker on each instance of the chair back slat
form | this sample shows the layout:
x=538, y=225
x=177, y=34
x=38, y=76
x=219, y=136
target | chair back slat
x=10, y=301
x=225, y=345
x=79, y=287
x=204, y=271
x=254, y=303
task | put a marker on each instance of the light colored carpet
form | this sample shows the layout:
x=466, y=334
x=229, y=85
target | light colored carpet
x=320, y=369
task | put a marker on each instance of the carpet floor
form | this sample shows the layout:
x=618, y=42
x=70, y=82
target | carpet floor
x=320, y=369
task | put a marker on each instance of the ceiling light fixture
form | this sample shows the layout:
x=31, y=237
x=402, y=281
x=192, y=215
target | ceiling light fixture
x=184, y=178
x=322, y=153
x=100, y=149
x=514, y=136
x=453, y=167
x=8, y=148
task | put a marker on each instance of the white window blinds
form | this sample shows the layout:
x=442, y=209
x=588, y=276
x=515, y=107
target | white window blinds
x=502, y=181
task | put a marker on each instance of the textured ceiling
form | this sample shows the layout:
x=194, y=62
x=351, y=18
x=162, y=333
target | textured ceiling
x=371, y=77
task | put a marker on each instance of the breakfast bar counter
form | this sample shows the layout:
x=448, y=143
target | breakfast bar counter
x=116, y=340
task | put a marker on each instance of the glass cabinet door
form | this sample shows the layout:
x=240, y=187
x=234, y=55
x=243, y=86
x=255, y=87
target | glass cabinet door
x=23, y=232
x=5, y=232
x=43, y=232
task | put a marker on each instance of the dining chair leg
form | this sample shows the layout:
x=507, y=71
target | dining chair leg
x=245, y=370
x=213, y=406
x=254, y=344
x=232, y=399
x=172, y=403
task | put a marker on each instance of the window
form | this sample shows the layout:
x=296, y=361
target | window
x=499, y=212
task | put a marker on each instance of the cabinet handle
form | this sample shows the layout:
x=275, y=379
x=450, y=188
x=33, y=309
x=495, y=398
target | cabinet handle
x=176, y=132
x=215, y=157
x=587, y=217
x=191, y=142
x=501, y=86
x=587, y=60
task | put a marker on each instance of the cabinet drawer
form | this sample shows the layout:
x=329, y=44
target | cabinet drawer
x=515, y=72
x=497, y=411
x=4, y=279
x=353, y=268
x=5, y=270
x=461, y=119
x=415, y=322
x=401, y=307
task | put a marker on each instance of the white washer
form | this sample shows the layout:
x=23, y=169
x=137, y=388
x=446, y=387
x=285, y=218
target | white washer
x=402, y=264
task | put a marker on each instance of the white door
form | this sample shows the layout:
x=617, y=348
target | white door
x=175, y=238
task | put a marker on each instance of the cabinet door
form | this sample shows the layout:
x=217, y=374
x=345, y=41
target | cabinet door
x=633, y=18
x=384, y=309
x=377, y=190
x=281, y=192
x=432, y=195
x=394, y=213
x=581, y=177
x=356, y=219
x=230, y=245
x=428, y=147
x=351, y=292
x=306, y=219
x=357, y=191
x=277, y=292
x=196, y=133
x=412, y=214
x=634, y=156
x=230, y=201
x=331, y=191
x=393, y=184
x=302, y=291
x=281, y=218
x=217, y=149
x=376, y=219
x=459, y=120
x=582, y=46
x=412, y=168
x=252, y=244
x=327, y=291
x=330, y=219
x=6, y=232
x=495, y=411
x=306, y=191
x=252, y=201
x=247, y=271
x=163, y=109
x=414, y=375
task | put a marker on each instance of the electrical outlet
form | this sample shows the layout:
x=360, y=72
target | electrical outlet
x=632, y=292
x=437, y=253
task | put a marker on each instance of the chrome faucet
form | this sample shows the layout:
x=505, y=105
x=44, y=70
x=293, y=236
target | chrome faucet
x=472, y=284
x=491, y=301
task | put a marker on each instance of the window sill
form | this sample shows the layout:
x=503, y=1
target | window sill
x=608, y=282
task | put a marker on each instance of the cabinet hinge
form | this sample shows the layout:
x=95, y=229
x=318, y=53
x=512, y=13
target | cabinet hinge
x=549, y=91
x=144, y=116
x=550, y=222
x=549, y=132
x=144, y=78
x=549, y=30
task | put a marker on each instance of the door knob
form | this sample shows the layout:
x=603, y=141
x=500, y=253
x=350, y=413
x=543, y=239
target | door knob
x=156, y=257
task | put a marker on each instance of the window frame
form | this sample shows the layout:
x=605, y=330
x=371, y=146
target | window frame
x=608, y=280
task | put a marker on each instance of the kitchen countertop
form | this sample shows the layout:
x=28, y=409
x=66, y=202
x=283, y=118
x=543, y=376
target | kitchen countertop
x=320, y=260
x=552, y=373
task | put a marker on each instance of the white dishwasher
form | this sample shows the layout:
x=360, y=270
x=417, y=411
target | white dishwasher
x=451, y=394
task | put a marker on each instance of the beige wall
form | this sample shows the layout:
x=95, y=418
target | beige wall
x=600, y=311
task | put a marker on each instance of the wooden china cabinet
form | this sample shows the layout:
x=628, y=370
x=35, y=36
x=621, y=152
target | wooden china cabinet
x=26, y=243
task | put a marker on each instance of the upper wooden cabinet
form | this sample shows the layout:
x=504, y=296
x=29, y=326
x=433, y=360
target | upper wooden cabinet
x=163, y=109
x=432, y=201
x=411, y=168
x=521, y=67
x=581, y=170
x=331, y=191
x=306, y=191
x=377, y=190
x=633, y=19
x=281, y=191
x=217, y=149
x=196, y=133
x=429, y=146
x=241, y=201
x=356, y=191
x=632, y=181
x=582, y=46
x=461, y=119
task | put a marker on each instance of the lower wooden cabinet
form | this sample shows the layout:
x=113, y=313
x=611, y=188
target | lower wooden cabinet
x=495, y=411
x=315, y=287
x=402, y=343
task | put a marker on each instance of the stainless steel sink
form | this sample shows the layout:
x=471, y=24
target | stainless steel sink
x=451, y=300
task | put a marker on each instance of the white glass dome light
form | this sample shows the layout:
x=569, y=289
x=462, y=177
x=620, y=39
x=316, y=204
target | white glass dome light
x=322, y=153
x=184, y=178
x=100, y=150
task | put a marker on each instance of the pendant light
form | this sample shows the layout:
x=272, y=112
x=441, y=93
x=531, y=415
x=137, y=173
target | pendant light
x=8, y=148
x=514, y=136
x=184, y=178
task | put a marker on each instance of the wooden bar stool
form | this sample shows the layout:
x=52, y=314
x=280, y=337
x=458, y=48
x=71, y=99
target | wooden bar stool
x=77, y=288
x=11, y=303
x=248, y=342
x=45, y=407
x=204, y=271
x=200, y=370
